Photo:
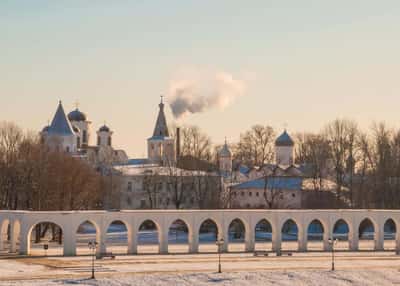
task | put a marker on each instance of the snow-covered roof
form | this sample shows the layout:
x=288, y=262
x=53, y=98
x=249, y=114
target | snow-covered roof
x=287, y=183
x=154, y=169
x=282, y=183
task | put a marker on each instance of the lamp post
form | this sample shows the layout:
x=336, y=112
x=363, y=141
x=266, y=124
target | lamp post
x=332, y=243
x=219, y=243
x=93, y=246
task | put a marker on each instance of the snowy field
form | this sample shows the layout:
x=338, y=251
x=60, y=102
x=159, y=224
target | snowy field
x=361, y=268
x=265, y=278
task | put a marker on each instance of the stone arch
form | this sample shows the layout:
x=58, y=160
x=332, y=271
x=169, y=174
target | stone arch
x=341, y=231
x=5, y=237
x=87, y=231
x=237, y=235
x=209, y=233
x=236, y=231
x=148, y=236
x=43, y=233
x=315, y=230
x=366, y=229
x=117, y=237
x=389, y=234
x=264, y=229
x=178, y=236
x=315, y=235
x=290, y=234
x=366, y=234
x=263, y=235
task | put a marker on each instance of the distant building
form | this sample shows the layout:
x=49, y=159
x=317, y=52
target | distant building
x=71, y=134
x=158, y=187
x=284, y=192
x=284, y=150
x=282, y=184
x=160, y=182
x=225, y=160
x=160, y=146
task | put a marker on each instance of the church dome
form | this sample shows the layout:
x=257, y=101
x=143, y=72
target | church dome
x=284, y=140
x=104, y=128
x=77, y=115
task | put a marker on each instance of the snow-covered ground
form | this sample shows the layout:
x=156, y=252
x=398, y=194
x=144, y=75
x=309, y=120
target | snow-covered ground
x=361, y=268
x=265, y=278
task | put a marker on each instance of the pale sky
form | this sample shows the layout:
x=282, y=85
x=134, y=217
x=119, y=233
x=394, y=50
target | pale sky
x=303, y=63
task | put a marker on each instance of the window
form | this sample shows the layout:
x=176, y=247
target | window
x=142, y=203
x=78, y=142
x=98, y=140
x=129, y=201
x=250, y=194
x=129, y=186
x=293, y=195
x=67, y=149
x=109, y=141
x=84, y=136
x=242, y=194
x=192, y=200
x=257, y=194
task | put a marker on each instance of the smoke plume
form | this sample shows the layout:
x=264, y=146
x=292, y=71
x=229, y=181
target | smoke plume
x=199, y=95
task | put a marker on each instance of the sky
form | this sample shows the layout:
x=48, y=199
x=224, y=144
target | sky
x=300, y=64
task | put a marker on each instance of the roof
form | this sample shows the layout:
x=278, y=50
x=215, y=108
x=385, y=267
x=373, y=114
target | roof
x=77, y=115
x=154, y=169
x=161, y=128
x=138, y=161
x=244, y=169
x=60, y=124
x=283, y=183
x=225, y=152
x=104, y=128
x=284, y=140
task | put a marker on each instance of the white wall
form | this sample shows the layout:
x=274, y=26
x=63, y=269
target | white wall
x=22, y=223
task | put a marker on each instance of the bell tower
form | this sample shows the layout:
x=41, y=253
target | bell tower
x=160, y=146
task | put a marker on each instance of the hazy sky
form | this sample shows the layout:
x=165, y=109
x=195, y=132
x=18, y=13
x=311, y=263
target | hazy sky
x=303, y=63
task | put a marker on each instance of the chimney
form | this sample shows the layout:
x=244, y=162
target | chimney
x=178, y=143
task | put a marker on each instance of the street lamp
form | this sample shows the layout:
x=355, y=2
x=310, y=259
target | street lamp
x=332, y=243
x=93, y=246
x=219, y=243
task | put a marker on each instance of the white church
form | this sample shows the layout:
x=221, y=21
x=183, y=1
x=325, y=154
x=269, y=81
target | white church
x=72, y=134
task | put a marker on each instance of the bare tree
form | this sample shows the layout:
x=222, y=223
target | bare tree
x=255, y=147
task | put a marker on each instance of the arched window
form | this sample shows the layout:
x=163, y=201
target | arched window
x=84, y=136
x=109, y=141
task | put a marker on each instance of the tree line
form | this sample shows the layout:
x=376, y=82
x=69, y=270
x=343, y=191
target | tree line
x=34, y=178
x=364, y=165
